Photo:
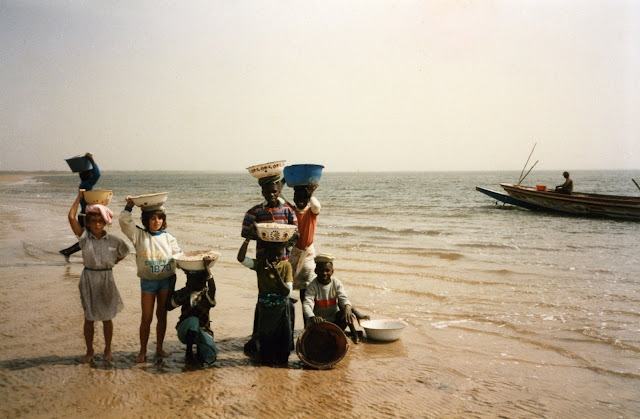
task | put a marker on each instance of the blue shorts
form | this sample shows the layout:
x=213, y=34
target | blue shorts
x=155, y=285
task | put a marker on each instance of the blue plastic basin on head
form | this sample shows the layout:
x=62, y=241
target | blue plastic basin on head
x=302, y=174
x=79, y=164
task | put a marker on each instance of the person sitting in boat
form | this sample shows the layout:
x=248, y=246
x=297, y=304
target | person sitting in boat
x=567, y=186
x=326, y=300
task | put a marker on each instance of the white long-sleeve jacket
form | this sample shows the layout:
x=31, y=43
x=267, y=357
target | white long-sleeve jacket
x=154, y=251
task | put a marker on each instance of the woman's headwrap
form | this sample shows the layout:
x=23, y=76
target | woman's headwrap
x=106, y=213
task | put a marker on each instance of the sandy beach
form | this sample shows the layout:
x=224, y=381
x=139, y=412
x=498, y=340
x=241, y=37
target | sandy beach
x=41, y=375
x=429, y=372
x=42, y=342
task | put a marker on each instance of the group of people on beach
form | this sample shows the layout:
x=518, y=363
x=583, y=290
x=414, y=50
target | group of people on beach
x=280, y=267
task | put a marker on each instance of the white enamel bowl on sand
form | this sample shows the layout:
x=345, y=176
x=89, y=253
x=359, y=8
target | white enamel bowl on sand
x=383, y=330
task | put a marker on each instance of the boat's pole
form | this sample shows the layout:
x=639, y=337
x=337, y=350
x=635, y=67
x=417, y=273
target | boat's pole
x=534, y=165
x=634, y=181
x=520, y=179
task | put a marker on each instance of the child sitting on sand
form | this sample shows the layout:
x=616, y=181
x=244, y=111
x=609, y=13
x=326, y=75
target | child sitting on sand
x=326, y=300
x=100, y=298
x=155, y=248
x=272, y=337
x=194, y=325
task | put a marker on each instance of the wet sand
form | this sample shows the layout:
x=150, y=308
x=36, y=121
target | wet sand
x=465, y=374
x=42, y=377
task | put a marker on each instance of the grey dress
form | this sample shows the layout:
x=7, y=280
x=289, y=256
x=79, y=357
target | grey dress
x=100, y=298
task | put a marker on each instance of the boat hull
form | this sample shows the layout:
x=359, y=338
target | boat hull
x=499, y=196
x=592, y=205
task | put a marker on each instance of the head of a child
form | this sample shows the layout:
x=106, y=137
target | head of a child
x=196, y=280
x=271, y=192
x=324, y=271
x=273, y=252
x=301, y=196
x=154, y=221
x=95, y=223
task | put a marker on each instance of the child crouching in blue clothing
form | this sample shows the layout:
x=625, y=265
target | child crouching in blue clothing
x=194, y=325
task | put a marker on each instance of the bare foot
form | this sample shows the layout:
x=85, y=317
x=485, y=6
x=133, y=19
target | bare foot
x=162, y=352
x=108, y=356
x=354, y=333
x=142, y=357
x=87, y=358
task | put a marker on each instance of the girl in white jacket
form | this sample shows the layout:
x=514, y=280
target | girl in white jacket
x=155, y=249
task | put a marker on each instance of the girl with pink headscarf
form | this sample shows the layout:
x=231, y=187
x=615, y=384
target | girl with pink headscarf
x=100, y=298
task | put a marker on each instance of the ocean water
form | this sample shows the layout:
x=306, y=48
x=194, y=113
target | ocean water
x=426, y=248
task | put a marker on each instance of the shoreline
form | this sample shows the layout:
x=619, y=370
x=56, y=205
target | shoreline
x=13, y=177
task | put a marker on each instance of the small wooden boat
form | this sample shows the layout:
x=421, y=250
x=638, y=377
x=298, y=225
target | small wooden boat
x=577, y=203
x=541, y=198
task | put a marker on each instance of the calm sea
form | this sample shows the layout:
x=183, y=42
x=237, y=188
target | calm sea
x=424, y=247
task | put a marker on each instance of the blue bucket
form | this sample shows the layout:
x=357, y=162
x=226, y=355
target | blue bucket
x=302, y=174
x=79, y=164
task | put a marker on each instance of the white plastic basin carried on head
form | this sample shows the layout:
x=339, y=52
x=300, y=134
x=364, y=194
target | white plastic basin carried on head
x=97, y=197
x=267, y=169
x=383, y=330
x=150, y=199
x=192, y=261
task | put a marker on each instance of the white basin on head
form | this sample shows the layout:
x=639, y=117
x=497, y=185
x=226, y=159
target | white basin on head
x=192, y=261
x=97, y=197
x=267, y=169
x=150, y=200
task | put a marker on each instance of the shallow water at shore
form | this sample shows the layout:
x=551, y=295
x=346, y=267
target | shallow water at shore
x=510, y=312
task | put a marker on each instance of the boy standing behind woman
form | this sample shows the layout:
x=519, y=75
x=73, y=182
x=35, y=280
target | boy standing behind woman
x=274, y=316
x=306, y=207
x=272, y=210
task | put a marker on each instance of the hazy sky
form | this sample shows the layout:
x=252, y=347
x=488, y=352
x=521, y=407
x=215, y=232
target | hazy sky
x=354, y=85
